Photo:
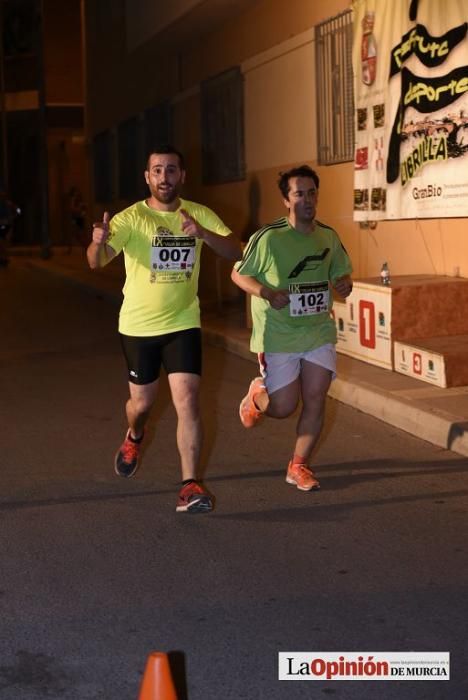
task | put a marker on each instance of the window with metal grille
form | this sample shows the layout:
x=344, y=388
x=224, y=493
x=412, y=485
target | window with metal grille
x=222, y=118
x=334, y=79
x=158, y=126
x=129, y=153
x=155, y=130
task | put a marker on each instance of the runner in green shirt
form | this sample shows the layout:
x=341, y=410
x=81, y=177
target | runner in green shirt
x=289, y=268
x=159, y=324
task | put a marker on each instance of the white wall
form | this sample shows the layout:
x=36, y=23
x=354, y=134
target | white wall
x=280, y=104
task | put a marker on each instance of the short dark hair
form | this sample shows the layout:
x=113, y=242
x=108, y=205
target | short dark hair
x=164, y=149
x=300, y=171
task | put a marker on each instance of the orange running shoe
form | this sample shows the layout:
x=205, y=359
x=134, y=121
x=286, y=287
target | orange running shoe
x=127, y=459
x=249, y=413
x=301, y=476
x=194, y=499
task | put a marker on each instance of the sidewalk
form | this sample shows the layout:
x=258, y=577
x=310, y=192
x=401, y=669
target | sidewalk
x=437, y=415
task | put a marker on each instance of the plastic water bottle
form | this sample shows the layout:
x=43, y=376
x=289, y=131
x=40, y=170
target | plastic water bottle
x=385, y=275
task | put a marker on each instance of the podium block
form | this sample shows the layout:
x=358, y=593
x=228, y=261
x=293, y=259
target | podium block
x=363, y=324
x=439, y=361
x=427, y=306
x=412, y=307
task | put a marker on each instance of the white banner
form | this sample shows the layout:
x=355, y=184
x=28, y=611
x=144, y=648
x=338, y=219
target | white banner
x=410, y=63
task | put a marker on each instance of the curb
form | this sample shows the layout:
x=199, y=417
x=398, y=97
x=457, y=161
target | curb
x=432, y=425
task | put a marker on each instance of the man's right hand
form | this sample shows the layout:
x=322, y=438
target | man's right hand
x=101, y=230
x=277, y=298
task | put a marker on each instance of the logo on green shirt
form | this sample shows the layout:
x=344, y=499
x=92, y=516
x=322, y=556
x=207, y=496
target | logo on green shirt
x=310, y=262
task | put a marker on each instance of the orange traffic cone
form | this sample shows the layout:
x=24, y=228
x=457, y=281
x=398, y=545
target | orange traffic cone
x=157, y=681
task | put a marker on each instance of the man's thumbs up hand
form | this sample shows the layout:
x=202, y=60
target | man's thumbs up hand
x=101, y=229
x=189, y=226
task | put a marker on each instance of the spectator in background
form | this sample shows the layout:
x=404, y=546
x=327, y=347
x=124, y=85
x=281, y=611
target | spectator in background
x=77, y=215
x=8, y=213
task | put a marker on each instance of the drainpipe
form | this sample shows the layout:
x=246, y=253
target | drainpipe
x=4, y=136
x=43, y=154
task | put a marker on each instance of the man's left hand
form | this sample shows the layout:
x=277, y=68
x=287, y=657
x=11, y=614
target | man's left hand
x=344, y=286
x=190, y=226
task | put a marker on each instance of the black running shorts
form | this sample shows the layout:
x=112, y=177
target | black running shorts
x=176, y=352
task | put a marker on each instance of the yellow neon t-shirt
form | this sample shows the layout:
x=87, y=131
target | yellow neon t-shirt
x=162, y=267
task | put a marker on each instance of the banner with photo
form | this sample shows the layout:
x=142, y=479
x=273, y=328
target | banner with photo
x=410, y=61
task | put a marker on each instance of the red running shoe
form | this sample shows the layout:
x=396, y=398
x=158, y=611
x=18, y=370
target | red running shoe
x=249, y=413
x=194, y=499
x=127, y=459
x=301, y=476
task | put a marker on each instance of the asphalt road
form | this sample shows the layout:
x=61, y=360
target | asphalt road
x=97, y=572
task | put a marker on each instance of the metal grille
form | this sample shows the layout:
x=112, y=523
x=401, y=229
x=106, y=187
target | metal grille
x=130, y=171
x=158, y=126
x=156, y=131
x=222, y=104
x=335, y=106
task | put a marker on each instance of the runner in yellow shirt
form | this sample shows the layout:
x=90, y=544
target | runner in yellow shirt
x=159, y=323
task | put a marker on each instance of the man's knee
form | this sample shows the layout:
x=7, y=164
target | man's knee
x=141, y=405
x=185, y=396
x=281, y=408
x=187, y=404
x=141, y=400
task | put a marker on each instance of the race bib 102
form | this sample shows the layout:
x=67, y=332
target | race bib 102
x=306, y=298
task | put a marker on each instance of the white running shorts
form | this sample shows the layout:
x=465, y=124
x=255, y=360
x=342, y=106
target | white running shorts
x=279, y=369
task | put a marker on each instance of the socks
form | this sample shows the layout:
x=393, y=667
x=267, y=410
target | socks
x=188, y=481
x=261, y=399
x=297, y=459
x=136, y=440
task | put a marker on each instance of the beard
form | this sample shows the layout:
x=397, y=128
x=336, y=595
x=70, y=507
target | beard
x=167, y=195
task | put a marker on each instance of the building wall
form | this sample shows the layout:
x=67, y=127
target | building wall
x=51, y=78
x=67, y=169
x=273, y=42
x=62, y=52
x=146, y=16
x=63, y=72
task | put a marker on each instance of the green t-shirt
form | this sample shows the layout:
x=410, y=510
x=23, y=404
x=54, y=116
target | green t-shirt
x=282, y=258
x=162, y=267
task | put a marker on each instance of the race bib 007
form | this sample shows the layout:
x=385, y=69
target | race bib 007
x=308, y=298
x=173, y=253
